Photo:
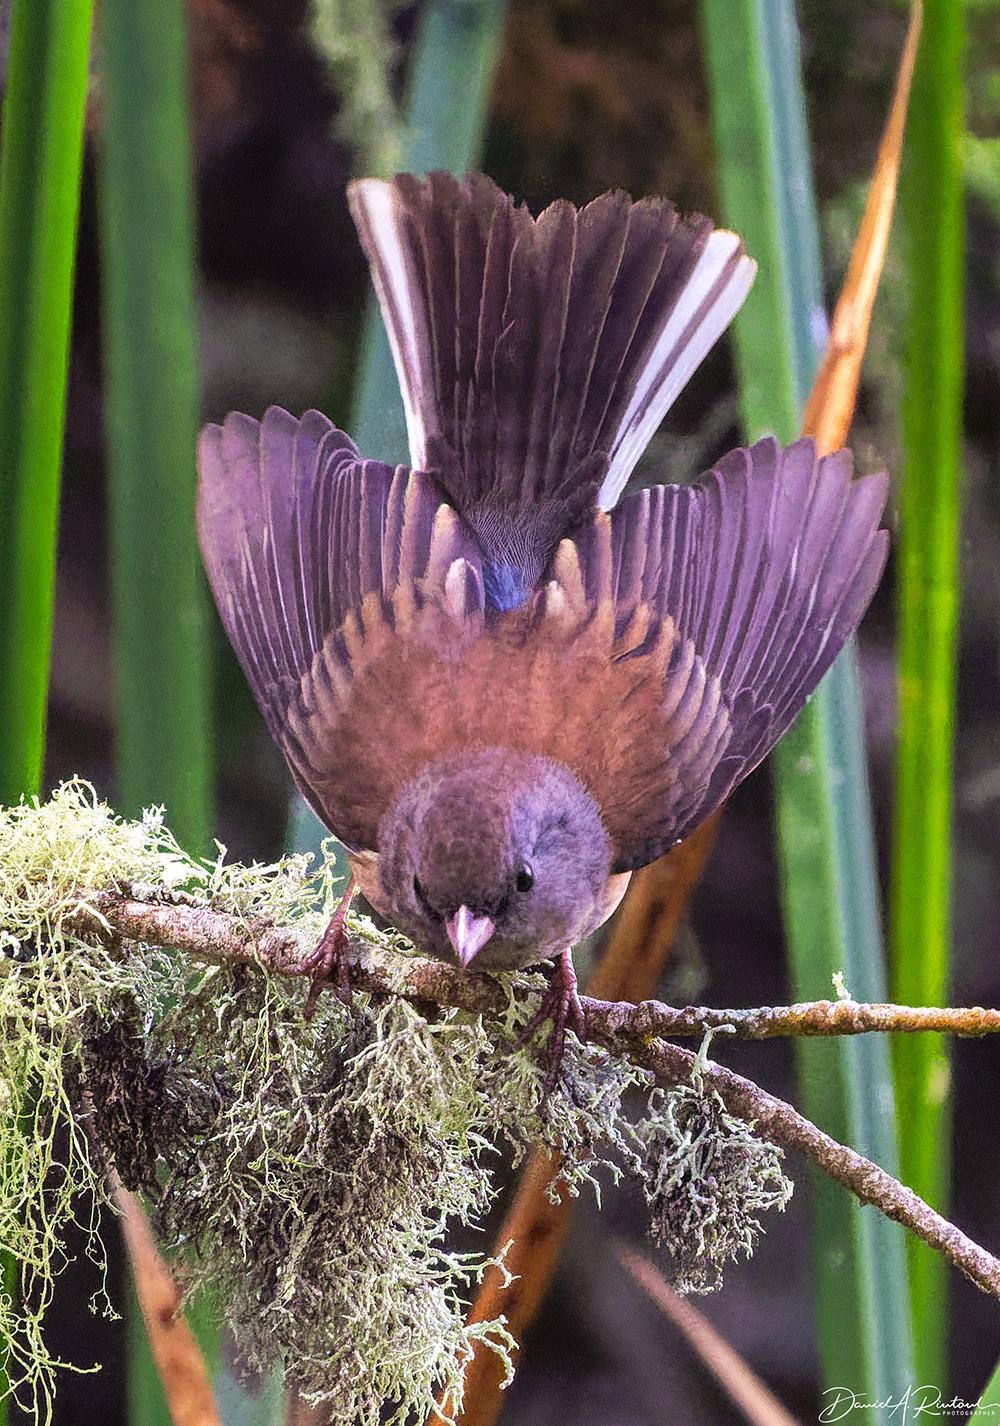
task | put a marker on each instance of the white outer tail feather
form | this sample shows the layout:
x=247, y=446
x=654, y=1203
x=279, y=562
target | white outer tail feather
x=689, y=349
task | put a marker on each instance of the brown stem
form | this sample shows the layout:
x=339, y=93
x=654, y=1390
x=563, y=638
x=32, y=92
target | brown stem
x=179, y=1362
x=830, y=408
x=535, y=1226
x=751, y=1396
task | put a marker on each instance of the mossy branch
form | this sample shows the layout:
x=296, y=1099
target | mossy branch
x=631, y=1031
x=306, y=1171
x=221, y=938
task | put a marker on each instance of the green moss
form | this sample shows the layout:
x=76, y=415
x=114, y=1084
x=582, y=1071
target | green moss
x=707, y=1179
x=304, y=1173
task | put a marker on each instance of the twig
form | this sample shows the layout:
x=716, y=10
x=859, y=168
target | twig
x=621, y=1028
x=752, y=1397
x=220, y=937
x=809, y=1018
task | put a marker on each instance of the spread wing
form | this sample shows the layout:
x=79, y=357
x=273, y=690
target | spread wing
x=307, y=548
x=764, y=569
x=672, y=644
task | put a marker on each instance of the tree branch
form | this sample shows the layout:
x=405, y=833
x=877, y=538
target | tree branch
x=624, y=1029
x=219, y=937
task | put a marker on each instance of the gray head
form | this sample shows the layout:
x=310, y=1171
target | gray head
x=494, y=854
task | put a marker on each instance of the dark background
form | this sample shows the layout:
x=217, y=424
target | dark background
x=588, y=96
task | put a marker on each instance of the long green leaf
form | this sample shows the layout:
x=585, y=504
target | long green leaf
x=163, y=732
x=989, y=1403
x=826, y=848
x=40, y=167
x=163, y=728
x=452, y=67
x=41, y=157
x=927, y=602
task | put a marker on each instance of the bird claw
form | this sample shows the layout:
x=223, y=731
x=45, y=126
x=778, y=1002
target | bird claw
x=561, y=1005
x=328, y=961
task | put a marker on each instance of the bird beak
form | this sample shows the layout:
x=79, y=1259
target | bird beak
x=467, y=933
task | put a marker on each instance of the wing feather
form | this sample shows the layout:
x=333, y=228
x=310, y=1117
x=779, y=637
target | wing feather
x=764, y=569
x=308, y=547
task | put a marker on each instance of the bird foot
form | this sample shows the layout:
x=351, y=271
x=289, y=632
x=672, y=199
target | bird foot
x=328, y=961
x=561, y=1005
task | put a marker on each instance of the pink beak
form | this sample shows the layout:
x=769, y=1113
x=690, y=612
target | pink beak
x=467, y=933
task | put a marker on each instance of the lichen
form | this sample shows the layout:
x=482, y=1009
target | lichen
x=707, y=1179
x=49, y=986
x=356, y=41
x=305, y=1173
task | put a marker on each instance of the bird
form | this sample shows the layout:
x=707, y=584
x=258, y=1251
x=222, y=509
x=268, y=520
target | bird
x=501, y=680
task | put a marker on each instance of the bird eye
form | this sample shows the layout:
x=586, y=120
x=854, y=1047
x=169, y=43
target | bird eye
x=525, y=878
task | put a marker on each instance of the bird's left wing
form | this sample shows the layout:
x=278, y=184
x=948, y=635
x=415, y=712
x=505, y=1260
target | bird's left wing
x=308, y=548
x=736, y=594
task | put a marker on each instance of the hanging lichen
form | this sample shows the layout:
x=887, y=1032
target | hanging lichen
x=306, y=1171
x=707, y=1180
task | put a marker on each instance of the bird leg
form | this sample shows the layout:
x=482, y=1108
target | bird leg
x=561, y=1005
x=328, y=961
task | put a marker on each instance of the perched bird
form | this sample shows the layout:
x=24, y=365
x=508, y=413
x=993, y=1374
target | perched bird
x=503, y=686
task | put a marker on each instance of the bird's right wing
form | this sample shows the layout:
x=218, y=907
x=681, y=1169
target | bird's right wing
x=316, y=558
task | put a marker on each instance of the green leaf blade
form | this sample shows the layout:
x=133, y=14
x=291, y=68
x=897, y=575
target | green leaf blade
x=41, y=161
x=927, y=544
x=161, y=654
x=40, y=168
x=825, y=839
x=160, y=640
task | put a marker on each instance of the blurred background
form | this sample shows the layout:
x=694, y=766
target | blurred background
x=288, y=101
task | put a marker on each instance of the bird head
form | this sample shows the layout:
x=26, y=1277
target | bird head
x=494, y=856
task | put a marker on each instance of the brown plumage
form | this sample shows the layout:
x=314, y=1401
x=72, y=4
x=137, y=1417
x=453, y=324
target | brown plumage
x=501, y=688
x=554, y=679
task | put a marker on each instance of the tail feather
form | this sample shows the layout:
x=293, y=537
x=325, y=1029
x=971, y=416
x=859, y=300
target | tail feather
x=538, y=356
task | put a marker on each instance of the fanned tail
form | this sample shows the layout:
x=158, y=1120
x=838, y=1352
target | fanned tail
x=538, y=356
